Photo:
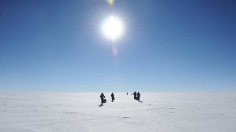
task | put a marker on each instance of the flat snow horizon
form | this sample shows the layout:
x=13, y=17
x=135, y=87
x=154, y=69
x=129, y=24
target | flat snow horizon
x=81, y=112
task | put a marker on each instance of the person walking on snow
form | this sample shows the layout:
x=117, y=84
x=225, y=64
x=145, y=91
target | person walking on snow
x=102, y=98
x=112, y=97
x=138, y=96
x=135, y=95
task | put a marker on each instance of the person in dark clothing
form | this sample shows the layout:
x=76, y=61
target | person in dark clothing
x=102, y=98
x=135, y=95
x=112, y=97
x=138, y=96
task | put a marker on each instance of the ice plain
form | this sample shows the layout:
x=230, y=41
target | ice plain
x=81, y=112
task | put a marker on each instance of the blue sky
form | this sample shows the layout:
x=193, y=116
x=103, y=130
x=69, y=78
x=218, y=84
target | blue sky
x=168, y=45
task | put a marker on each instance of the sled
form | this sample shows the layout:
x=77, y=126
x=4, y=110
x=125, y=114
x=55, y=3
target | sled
x=104, y=100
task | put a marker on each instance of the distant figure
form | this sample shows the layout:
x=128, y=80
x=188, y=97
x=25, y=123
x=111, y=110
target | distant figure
x=135, y=95
x=103, y=100
x=112, y=97
x=138, y=96
x=127, y=93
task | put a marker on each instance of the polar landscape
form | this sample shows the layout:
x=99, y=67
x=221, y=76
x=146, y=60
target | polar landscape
x=182, y=51
x=81, y=112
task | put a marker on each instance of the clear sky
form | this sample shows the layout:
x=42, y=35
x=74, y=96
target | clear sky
x=168, y=45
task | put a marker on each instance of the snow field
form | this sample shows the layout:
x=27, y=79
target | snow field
x=81, y=112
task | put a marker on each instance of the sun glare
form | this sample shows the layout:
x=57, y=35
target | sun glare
x=113, y=27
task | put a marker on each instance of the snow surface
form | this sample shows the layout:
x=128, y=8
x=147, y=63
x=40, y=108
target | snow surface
x=81, y=112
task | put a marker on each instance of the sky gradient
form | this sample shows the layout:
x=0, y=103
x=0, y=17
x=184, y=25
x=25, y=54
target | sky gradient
x=168, y=45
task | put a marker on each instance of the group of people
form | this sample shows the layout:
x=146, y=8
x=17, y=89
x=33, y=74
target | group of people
x=103, y=100
x=137, y=95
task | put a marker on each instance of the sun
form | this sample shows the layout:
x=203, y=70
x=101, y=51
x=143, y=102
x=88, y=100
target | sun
x=113, y=27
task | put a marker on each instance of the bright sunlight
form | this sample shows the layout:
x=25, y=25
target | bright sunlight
x=113, y=27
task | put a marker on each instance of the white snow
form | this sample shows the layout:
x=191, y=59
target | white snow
x=80, y=112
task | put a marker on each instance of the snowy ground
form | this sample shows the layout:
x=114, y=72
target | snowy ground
x=80, y=112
